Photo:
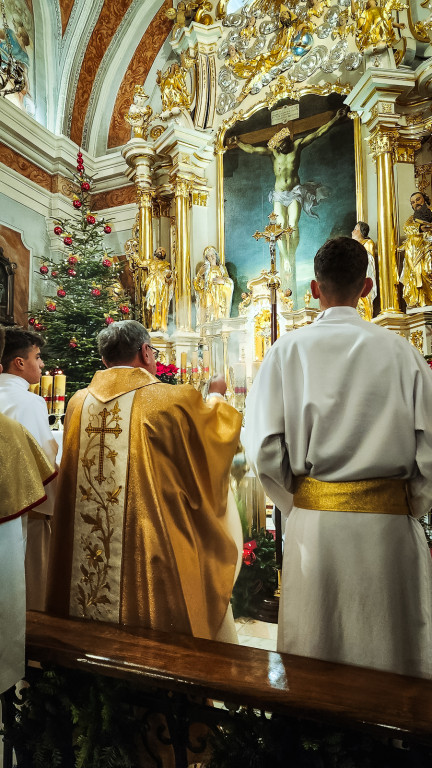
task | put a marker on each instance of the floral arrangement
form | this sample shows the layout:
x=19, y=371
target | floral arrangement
x=258, y=575
x=167, y=373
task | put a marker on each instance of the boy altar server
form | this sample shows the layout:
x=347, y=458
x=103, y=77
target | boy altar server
x=339, y=431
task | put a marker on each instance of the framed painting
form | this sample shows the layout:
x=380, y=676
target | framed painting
x=303, y=169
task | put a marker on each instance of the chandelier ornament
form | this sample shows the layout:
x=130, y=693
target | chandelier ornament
x=12, y=73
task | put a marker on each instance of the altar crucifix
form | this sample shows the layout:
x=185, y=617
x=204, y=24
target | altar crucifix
x=272, y=233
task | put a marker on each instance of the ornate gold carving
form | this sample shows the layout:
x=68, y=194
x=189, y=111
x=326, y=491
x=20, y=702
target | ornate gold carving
x=375, y=27
x=157, y=131
x=384, y=140
x=415, y=119
x=199, y=198
x=140, y=113
x=406, y=150
x=182, y=187
x=423, y=176
x=173, y=88
x=416, y=339
x=187, y=11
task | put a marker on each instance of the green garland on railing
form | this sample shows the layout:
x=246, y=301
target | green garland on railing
x=258, y=576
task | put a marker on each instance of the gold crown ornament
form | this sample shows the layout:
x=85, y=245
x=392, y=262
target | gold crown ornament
x=278, y=137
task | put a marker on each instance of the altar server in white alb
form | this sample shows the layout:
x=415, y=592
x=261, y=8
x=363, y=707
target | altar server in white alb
x=339, y=431
x=22, y=366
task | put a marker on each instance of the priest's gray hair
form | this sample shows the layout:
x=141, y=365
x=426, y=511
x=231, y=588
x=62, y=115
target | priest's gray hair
x=119, y=342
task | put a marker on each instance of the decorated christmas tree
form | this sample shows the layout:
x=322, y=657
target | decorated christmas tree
x=88, y=293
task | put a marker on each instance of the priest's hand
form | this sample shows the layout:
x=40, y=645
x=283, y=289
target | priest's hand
x=217, y=385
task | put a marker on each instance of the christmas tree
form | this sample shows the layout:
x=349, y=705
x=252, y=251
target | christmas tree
x=88, y=293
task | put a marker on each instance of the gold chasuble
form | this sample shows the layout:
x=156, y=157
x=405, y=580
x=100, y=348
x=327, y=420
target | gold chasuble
x=140, y=535
x=22, y=459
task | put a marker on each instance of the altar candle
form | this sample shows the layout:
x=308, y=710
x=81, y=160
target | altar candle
x=183, y=364
x=34, y=388
x=59, y=393
x=46, y=384
x=206, y=360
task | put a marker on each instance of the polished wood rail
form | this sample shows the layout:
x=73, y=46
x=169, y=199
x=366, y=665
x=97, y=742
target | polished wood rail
x=291, y=685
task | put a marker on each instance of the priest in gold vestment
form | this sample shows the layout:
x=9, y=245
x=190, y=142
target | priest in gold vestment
x=141, y=536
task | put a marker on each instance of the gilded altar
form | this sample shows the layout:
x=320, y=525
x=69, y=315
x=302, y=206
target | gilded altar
x=300, y=110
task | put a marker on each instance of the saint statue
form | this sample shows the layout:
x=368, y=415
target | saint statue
x=375, y=26
x=139, y=114
x=417, y=270
x=361, y=234
x=173, y=88
x=157, y=291
x=214, y=288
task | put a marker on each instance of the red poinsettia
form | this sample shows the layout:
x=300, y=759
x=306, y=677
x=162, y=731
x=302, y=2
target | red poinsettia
x=249, y=555
x=166, y=373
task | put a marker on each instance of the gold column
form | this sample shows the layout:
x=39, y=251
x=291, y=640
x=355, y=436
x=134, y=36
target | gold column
x=383, y=142
x=183, y=266
x=145, y=243
x=220, y=204
x=359, y=174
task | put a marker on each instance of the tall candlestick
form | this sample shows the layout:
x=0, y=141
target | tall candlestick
x=194, y=366
x=206, y=361
x=46, y=384
x=59, y=393
x=34, y=388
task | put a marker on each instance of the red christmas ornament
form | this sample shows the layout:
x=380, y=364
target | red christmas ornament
x=72, y=260
x=85, y=186
x=109, y=320
x=95, y=292
x=54, y=273
x=67, y=240
x=43, y=269
x=71, y=272
x=124, y=309
x=32, y=320
x=57, y=230
x=77, y=203
x=107, y=229
x=51, y=306
x=91, y=219
x=73, y=343
x=61, y=293
x=39, y=327
x=107, y=262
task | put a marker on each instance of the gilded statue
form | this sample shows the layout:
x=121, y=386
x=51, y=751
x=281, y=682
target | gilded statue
x=213, y=287
x=375, y=25
x=139, y=114
x=157, y=291
x=417, y=270
x=173, y=88
x=361, y=234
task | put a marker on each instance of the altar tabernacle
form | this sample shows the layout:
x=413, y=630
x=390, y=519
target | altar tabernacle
x=141, y=535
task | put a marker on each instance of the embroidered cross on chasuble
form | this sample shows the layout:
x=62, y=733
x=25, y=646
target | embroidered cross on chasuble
x=99, y=509
x=140, y=528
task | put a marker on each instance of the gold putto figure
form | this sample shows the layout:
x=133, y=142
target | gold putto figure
x=214, y=288
x=157, y=290
x=375, y=25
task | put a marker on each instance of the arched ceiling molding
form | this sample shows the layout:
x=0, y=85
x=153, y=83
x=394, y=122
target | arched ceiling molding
x=47, y=40
x=81, y=23
x=109, y=19
x=65, y=10
x=129, y=56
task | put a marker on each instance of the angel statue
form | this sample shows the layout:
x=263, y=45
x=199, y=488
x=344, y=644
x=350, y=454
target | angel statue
x=214, y=288
x=375, y=25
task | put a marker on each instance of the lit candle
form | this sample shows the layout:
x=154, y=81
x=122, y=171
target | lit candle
x=183, y=364
x=59, y=393
x=46, y=384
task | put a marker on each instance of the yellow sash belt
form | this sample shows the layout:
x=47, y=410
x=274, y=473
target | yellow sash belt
x=377, y=496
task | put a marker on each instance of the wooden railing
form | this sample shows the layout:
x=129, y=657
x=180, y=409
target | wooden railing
x=294, y=686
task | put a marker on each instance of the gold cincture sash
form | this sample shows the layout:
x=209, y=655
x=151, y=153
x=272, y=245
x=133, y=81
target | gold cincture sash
x=377, y=496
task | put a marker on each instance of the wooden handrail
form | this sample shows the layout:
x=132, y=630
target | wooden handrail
x=291, y=685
